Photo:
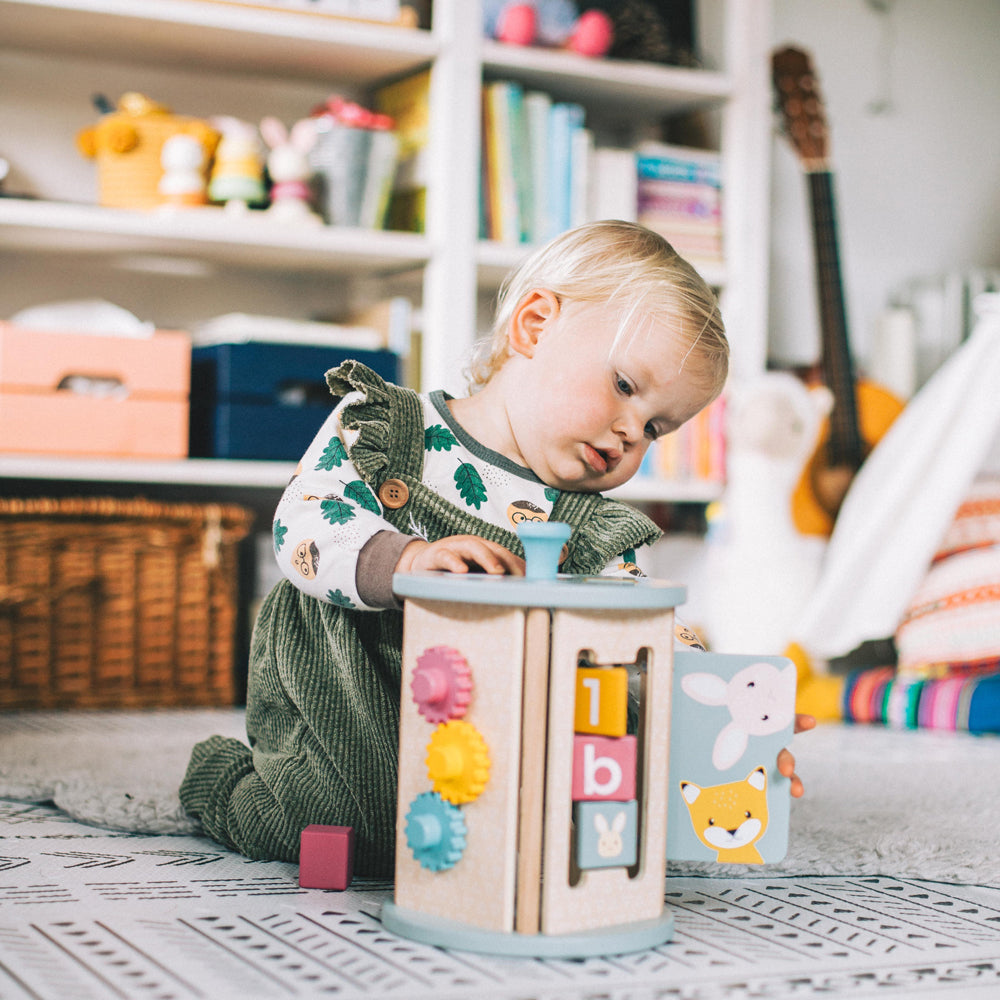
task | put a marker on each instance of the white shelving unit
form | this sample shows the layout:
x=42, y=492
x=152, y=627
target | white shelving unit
x=279, y=60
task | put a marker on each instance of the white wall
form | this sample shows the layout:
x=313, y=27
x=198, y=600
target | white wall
x=918, y=186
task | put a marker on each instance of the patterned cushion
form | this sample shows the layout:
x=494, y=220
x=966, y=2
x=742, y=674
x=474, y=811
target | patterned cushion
x=952, y=624
x=977, y=520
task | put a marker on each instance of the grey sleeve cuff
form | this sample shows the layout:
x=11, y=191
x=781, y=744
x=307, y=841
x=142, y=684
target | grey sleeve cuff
x=376, y=561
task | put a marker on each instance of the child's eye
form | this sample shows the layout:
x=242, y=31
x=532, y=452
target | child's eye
x=623, y=385
x=651, y=431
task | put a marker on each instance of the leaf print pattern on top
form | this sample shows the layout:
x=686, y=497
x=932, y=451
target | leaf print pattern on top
x=334, y=455
x=357, y=492
x=279, y=535
x=339, y=598
x=439, y=438
x=336, y=510
x=470, y=485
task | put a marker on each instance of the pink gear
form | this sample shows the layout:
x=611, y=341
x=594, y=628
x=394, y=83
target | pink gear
x=441, y=684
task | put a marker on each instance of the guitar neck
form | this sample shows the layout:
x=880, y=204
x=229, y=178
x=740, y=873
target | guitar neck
x=845, y=445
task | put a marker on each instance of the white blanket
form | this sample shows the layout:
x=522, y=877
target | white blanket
x=904, y=497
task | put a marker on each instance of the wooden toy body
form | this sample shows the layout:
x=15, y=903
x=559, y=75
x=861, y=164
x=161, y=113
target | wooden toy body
x=522, y=641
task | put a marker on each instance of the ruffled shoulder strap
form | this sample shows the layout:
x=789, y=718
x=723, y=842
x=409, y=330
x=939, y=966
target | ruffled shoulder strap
x=389, y=421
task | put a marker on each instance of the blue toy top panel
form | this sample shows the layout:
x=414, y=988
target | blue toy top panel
x=565, y=591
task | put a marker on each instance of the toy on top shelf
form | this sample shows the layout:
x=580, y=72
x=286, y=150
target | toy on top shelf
x=289, y=169
x=127, y=143
x=183, y=184
x=551, y=23
x=237, y=177
x=354, y=158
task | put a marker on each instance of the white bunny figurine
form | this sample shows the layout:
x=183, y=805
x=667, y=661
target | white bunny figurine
x=288, y=165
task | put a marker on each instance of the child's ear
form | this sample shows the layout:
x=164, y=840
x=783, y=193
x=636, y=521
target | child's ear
x=530, y=319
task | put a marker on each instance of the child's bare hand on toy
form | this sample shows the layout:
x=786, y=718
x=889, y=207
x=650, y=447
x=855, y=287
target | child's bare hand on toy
x=460, y=554
x=786, y=760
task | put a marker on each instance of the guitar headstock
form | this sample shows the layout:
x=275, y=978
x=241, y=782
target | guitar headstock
x=797, y=91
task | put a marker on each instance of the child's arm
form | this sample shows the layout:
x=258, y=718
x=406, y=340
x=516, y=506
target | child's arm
x=327, y=519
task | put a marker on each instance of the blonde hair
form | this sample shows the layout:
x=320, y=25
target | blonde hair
x=624, y=264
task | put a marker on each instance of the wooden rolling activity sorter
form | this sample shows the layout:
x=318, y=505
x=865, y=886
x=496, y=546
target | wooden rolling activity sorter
x=520, y=755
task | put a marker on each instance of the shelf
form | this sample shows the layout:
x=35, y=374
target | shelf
x=253, y=241
x=632, y=89
x=213, y=35
x=186, y=472
x=267, y=475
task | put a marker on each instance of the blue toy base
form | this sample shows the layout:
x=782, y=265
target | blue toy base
x=587, y=944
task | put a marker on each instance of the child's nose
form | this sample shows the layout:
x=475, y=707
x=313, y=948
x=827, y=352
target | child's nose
x=628, y=427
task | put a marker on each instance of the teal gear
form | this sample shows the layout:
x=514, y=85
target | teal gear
x=435, y=832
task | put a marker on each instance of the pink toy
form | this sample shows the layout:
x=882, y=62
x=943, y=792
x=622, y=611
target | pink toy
x=326, y=857
x=552, y=23
x=288, y=165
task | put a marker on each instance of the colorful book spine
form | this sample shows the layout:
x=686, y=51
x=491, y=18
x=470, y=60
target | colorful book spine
x=696, y=451
x=679, y=195
x=538, y=106
x=564, y=120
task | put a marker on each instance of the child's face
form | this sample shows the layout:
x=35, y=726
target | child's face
x=587, y=410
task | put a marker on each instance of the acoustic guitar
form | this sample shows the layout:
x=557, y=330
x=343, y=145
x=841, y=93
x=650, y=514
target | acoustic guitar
x=862, y=411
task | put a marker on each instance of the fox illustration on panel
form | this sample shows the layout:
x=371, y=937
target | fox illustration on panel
x=730, y=818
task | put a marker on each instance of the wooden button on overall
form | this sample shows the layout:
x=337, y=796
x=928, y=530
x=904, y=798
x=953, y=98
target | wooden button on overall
x=393, y=493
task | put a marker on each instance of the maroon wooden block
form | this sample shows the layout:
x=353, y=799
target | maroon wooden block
x=326, y=857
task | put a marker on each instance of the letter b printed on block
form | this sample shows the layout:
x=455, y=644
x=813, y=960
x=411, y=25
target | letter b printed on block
x=604, y=768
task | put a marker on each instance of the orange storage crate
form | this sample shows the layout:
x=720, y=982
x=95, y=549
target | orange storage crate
x=138, y=406
x=114, y=603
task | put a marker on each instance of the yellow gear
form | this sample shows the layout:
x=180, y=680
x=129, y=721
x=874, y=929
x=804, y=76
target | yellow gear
x=458, y=761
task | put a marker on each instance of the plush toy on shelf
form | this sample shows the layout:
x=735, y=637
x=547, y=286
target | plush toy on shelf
x=551, y=23
x=237, y=178
x=289, y=169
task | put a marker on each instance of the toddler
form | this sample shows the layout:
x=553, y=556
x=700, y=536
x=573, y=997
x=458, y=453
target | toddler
x=604, y=340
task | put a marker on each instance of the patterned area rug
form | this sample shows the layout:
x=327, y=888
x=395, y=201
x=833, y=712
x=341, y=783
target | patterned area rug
x=919, y=805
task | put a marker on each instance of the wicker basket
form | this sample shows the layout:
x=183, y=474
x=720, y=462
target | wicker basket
x=117, y=603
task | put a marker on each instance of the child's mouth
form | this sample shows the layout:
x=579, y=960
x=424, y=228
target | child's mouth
x=599, y=461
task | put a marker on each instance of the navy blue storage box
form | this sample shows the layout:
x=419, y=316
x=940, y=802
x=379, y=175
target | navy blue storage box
x=266, y=401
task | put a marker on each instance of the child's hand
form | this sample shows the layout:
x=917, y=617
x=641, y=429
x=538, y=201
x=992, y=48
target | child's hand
x=459, y=554
x=786, y=761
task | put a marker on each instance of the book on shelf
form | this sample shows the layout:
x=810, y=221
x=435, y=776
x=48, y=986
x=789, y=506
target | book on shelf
x=565, y=118
x=535, y=164
x=696, y=451
x=407, y=102
x=500, y=121
x=538, y=107
x=679, y=195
